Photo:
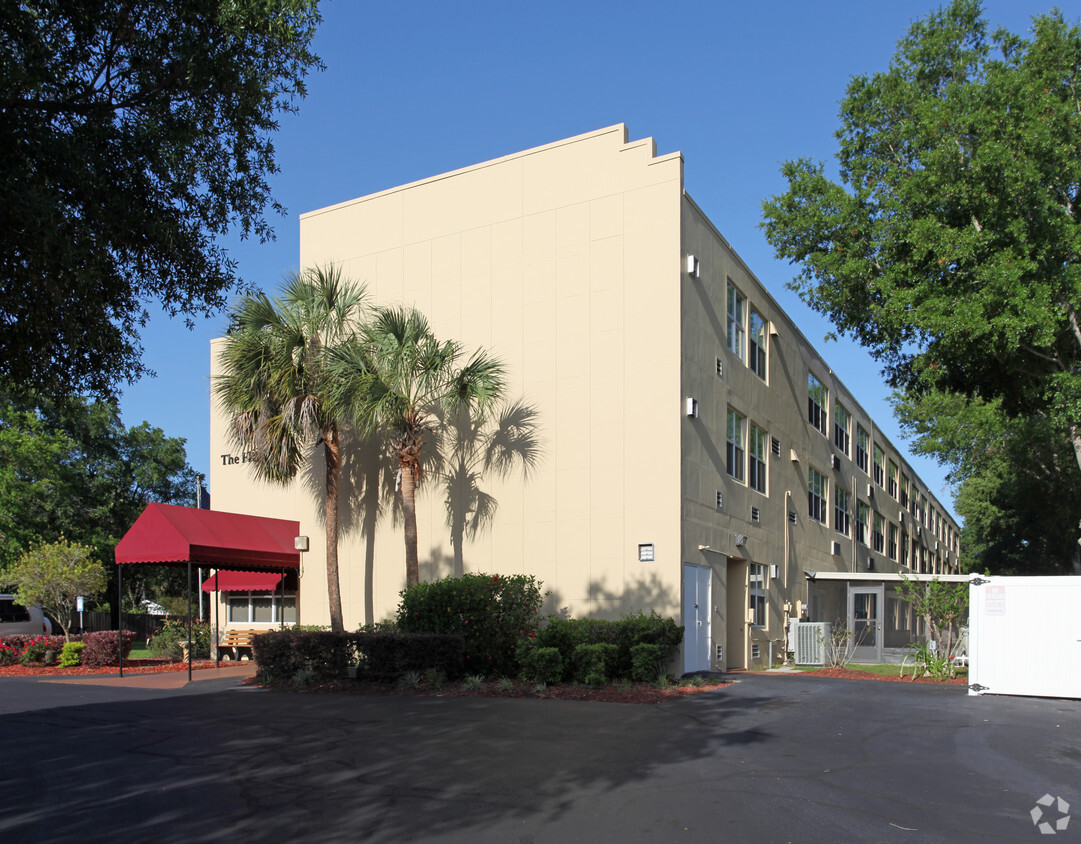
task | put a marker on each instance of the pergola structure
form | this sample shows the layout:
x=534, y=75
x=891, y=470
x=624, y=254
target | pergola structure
x=242, y=550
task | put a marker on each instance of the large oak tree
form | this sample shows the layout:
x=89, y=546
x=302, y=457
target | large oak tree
x=950, y=243
x=133, y=133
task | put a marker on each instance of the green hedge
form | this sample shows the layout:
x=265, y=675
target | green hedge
x=494, y=615
x=627, y=659
x=307, y=656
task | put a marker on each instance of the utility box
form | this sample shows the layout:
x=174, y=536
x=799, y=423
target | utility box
x=809, y=641
x=1024, y=636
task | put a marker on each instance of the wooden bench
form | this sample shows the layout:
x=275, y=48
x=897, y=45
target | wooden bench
x=234, y=640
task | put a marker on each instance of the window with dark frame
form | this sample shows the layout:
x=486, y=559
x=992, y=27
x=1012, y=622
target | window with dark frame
x=756, y=468
x=841, y=425
x=816, y=403
x=862, y=442
x=735, y=444
x=737, y=305
x=756, y=348
x=816, y=495
x=840, y=510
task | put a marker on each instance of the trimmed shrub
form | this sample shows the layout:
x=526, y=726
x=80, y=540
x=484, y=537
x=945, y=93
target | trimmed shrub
x=322, y=656
x=634, y=629
x=595, y=664
x=646, y=662
x=101, y=647
x=493, y=614
x=542, y=665
x=71, y=654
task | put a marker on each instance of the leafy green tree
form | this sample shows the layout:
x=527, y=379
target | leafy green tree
x=942, y=606
x=276, y=386
x=133, y=135
x=394, y=378
x=1016, y=478
x=950, y=247
x=52, y=576
x=71, y=468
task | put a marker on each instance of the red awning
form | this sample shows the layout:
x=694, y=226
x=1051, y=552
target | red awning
x=167, y=534
x=242, y=581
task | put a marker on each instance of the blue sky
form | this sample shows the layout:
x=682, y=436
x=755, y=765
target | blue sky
x=413, y=89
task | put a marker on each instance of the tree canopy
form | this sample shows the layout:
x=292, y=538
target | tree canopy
x=53, y=575
x=950, y=244
x=132, y=135
x=71, y=468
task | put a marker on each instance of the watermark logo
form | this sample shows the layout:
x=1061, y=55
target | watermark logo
x=1050, y=821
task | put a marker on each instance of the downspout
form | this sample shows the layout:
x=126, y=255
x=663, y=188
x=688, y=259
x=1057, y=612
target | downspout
x=856, y=501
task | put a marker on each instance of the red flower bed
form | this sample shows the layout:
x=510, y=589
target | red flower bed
x=131, y=666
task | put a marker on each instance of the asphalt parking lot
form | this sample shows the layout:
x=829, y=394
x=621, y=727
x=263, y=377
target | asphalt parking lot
x=771, y=758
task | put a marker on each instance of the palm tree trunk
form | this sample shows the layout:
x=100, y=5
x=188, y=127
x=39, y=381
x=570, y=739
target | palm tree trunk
x=409, y=512
x=333, y=453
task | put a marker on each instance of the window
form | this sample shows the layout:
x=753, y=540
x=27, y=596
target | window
x=891, y=548
x=891, y=480
x=880, y=456
x=756, y=476
x=876, y=533
x=861, y=522
x=816, y=495
x=756, y=353
x=816, y=403
x=915, y=559
x=735, y=444
x=841, y=426
x=862, y=441
x=261, y=608
x=903, y=559
x=736, y=306
x=904, y=490
x=12, y=613
x=840, y=509
x=914, y=504
x=758, y=595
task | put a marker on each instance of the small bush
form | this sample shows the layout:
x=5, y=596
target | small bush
x=544, y=665
x=71, y=654
x=40, y=652
x=595, y=664
x=645, y=661
x=101, y=647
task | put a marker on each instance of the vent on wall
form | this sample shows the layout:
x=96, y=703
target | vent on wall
x=836, y=462
x=756, y=650
x=720, y=367
x=693, y=266
x=720, y=500
x=775, y=446
x=741, y=540
x=691, y=407
x=792, y=516
x=871, y=491
x=756, y=515
x=837, y=549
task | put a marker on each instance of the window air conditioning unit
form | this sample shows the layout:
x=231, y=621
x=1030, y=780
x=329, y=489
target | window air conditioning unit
x=837, y=549
x=692, y=408
x=836, y=462
x=692, y=266
x=741, y=540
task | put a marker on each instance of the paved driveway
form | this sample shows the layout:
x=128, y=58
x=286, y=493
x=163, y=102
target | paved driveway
x=772, y=758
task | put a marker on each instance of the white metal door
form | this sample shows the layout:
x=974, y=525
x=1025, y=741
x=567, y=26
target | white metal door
x=696, y=616
x=1024, y=636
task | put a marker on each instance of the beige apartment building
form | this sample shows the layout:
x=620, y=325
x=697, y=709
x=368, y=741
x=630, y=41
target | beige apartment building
x=698, y=456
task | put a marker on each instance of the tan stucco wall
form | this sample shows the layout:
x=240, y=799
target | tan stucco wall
x=564, y=262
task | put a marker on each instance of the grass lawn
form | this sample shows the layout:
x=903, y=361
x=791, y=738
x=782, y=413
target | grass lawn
x=877, y=669
x=139, y=653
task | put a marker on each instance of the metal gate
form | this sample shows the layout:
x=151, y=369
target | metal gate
x=1025, y=636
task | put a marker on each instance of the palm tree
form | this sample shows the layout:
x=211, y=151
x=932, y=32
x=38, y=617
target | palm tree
x=394, y=378
x=474, y=446
x=275, y=385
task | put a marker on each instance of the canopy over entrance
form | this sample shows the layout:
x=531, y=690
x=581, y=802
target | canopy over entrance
x=166, y=534
x=242, y=581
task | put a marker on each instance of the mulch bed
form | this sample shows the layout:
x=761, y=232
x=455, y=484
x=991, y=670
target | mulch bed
x=131, y=666
x=640, y=693
x=850, y=674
